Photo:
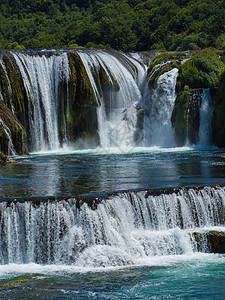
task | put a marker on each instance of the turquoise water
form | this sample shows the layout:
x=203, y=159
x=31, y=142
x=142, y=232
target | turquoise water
x=189, y=276
x=202, y=277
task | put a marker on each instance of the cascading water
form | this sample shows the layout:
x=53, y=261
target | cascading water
x=158, y=107
x=9, y=85
x=7, y=131
x=41, y=76
x=127, y=115
x=123, y=230
x=117, y=113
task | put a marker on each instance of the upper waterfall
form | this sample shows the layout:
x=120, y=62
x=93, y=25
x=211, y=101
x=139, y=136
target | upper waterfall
x=97, y=98
x=42, y=76
x=116, y=113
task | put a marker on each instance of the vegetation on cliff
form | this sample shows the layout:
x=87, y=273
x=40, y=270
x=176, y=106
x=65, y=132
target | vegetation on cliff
x=162, y=63
x=127, y=25
x=11, y=86
x=12, y=133
x=197, y=71
x=201, y=70
x=81, y=116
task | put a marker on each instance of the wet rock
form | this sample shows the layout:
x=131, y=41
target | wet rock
x=212, y=241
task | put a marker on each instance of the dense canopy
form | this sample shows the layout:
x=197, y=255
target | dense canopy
x=127, y=25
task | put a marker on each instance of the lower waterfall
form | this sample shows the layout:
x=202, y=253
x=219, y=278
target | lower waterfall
x=117, y=230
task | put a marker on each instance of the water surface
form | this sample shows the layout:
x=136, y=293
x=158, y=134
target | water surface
x=189, y=276
x=99, y=171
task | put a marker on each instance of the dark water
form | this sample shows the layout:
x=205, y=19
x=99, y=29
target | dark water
x=194, y=276
x=78, y=173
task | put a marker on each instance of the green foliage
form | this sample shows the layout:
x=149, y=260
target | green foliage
x=15, y=45
x=162, y=63
x=202, y=70
x=99, y=46
x=127, y=25
x=75, y=46
x=16, y=100
x=194, y=42
x=81, y=116
x=165, y=57
x=16, y=129
x=179, y=117
x=220, y=41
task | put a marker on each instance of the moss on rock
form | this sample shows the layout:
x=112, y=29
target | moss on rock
x=106, y=81
x=179, y=117
x=12, y=87
x=81, y=116
x=201, y=70
x=186, y=116
x=11, y=128
x=162, y=63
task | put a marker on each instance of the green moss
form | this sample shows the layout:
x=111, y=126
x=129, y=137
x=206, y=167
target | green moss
x=157, y=73
x=16, y=131
x=105, y=80
x=164, y=57
x=81, y=116
x=81, y=82
x=186, y=116
x=214, y=240
x=4, y=87
x=202, y=70
x=198, y=238
x=16, y=100
x=179, y=117
x=97, y=81
x=162, y=63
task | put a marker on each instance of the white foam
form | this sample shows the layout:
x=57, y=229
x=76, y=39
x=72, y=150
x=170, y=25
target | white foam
x=196, y=259
x=111, y=150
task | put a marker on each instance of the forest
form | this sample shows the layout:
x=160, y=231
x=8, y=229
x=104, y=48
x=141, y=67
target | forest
x=124, y=25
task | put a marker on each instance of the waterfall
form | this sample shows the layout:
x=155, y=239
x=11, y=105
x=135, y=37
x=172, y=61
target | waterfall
x=125, y=113
x=206, y=111
x=122, y=229
x=117, y=113
x=9, y=86
x=42, y=75
x=157, y=129
x=7, y=131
